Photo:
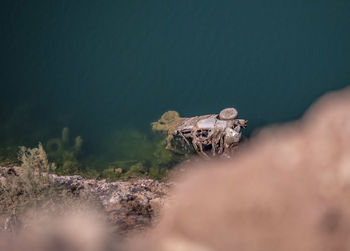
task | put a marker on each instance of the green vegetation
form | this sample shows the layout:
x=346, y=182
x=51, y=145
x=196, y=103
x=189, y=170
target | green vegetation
x=137, y=154
x=8, y=156
x=167, y=123
x=127, y=153
x=64, y=154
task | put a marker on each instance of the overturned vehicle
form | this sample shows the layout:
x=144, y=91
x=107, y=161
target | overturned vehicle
x=208, y=135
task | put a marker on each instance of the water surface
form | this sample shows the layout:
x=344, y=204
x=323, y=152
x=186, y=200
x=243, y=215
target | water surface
x=108, y=68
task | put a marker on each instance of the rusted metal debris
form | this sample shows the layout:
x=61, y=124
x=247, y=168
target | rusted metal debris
x=208, y=135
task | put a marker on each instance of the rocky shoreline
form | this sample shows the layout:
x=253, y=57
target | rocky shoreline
x=129, y=205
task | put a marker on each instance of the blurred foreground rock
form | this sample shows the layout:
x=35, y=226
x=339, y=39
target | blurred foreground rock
x=287, y=189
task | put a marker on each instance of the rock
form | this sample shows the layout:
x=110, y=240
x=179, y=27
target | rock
x=130, y=205
x=2, y=181
x=156, y=205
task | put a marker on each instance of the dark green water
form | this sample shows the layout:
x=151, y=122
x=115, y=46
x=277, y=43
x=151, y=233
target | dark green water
x=107, y=69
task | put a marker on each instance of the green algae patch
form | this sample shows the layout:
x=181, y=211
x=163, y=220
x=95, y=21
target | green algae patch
x=167, y=124
x=128, y=145
x=64, y=152
x=136, y=154
x=137, y=170
x=112, y=174
x=127, y=154
x=8, y=156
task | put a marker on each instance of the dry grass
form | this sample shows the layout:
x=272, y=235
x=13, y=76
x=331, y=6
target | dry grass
x=28, y=189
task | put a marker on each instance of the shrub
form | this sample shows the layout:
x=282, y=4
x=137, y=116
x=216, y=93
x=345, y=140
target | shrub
x=30, y=187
